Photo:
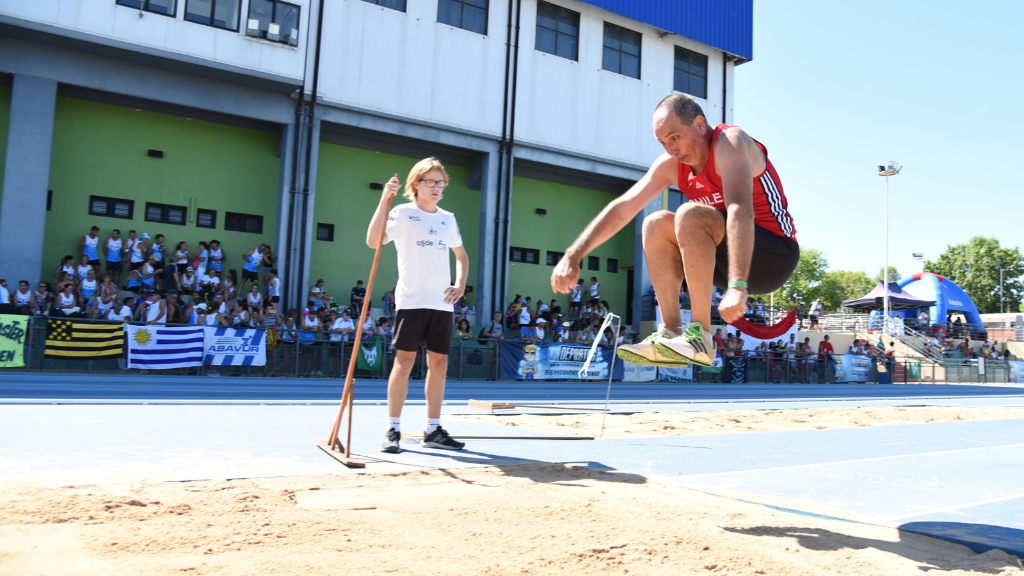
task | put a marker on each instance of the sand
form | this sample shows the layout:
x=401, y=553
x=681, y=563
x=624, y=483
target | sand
x=530, y=519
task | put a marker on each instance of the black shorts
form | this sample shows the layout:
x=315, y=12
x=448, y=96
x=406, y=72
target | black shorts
x=252, y=276
x=182, y=268
x=423, y=324
x=772, y=263
x=113, y=266
x=275, y=299
x=94, y=262
x=575, y=305
x=135, y=265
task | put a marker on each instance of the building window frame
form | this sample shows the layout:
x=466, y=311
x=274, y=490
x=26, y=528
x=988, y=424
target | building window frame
x=690, y=67
x=238, y=222
x=523, y=255
x=613, y=265
x=267, y=35
x=213, y=10
x=325, y=232
x=111, y=208
x=144, y=6
x=565, y=21
x=212, y=214
x=618, y=50
x=390, y=4
x=553, y=258
x=165, y=213
x=594, y=263
x=449, y=8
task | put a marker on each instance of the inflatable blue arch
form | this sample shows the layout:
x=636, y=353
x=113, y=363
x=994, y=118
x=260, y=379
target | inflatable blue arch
x=948, y=298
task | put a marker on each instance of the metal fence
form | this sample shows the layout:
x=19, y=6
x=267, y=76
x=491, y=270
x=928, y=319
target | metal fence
x=479, y=359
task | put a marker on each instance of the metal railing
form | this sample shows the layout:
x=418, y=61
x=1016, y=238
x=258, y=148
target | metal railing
x=318, y=356
x=479, y=359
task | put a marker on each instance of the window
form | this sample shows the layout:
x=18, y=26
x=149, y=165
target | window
x=325, y=232
x=393, y=4
x=206, y=218
x=613, y=265
x=165, y=213
x=593, y=263
x=111, y=207
x=165, y=7
x=274, y=20
x=558, y=31
x=621, y=51
x=466, y=14
x=554, y=257
x=216, y=13
x=691, y=73
x=243, y=222
x=524, y=255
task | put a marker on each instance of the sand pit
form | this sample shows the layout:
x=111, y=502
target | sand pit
x=740, y=421
x=524, y=519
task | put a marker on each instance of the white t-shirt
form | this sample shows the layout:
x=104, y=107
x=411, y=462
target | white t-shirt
x=341, y=324
x=423, y=240
x=122, y=315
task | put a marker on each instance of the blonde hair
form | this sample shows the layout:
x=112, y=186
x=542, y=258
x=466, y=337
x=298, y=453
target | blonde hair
x=421, y=169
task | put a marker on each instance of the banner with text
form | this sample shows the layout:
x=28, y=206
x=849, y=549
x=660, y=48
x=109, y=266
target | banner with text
x=854, y=368
x=234, y=346
x=521, y=361
x=1016, y=370
x=638, y=373
x=13, y=329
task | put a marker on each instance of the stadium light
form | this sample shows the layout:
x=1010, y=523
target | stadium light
x=892, y=169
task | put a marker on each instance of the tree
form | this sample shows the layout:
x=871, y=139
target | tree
x=974, y=266
x=894, y=276
x=805, y=283
x=842, y=285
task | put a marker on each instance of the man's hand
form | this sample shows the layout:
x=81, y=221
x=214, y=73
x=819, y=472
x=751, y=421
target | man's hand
x=565, y=275
x=453, y=293
x=733, y=305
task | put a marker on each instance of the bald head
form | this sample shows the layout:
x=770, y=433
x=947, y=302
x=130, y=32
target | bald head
x=683, y=106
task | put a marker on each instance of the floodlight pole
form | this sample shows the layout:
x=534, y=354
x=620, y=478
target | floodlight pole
x=891, y=170
x=1002, y=298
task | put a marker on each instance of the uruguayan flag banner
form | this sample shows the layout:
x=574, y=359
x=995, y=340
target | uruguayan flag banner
x=235, y=346
x=154, y=347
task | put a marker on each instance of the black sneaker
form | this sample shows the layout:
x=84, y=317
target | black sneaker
x=440, y=439
x=391, y=440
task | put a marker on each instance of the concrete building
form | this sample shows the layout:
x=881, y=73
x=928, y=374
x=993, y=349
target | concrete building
x=274, y=121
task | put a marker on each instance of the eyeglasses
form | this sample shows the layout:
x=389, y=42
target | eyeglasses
x=431, y=183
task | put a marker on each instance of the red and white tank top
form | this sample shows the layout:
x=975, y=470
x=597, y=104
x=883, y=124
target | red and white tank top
x=771, y=211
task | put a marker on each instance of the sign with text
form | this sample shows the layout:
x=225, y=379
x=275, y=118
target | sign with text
x=554, y=361
x=13, y=331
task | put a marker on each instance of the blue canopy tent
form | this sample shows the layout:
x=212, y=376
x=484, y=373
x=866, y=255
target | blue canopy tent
x=898, y=299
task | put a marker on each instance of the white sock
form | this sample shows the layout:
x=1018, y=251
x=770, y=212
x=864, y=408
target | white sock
x=432, y=424
x=396, y=423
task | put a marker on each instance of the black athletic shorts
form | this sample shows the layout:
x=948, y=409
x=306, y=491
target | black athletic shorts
x=135, y=265
x=252, y=276
x=423, y=324
x=94, y=262
x=772, y=263
x=113, y=266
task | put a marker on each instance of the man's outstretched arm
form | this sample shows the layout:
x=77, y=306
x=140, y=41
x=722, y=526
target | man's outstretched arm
x=733, y=159
x=611, y=219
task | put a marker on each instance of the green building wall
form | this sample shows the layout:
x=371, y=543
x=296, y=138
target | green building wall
x=100, y=149
x=5, y=118
x=569, y=210
x=344, y=199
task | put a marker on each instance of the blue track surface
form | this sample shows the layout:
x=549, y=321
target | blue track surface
x=100, y=387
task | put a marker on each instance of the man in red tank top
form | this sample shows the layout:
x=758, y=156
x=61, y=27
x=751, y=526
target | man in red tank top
x=735, y=232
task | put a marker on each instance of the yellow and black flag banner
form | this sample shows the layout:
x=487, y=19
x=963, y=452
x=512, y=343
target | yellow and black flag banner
x=68, y=339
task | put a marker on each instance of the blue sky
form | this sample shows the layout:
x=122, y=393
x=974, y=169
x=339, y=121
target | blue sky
x=837, y=88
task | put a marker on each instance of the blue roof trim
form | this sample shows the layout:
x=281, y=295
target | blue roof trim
x=724, y=24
